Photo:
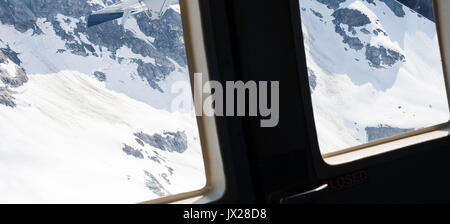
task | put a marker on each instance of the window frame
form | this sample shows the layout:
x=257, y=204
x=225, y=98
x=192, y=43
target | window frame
x=355, y=158
x=212, y=158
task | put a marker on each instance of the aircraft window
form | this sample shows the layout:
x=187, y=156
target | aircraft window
x=86, y=103
x=374, y=69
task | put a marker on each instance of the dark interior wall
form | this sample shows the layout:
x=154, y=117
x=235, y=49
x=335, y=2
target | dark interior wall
x=254, y=40
x=422, y=177
x=249, y=43
x=262, y=53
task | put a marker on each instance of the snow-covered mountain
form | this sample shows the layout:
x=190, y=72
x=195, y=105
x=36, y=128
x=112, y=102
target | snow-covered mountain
x=374, y=68
x=85, y=113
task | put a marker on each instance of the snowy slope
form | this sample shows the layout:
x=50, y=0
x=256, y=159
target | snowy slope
x=39, y=56
x=63, y=143
x=86, y=114
x=376, y=68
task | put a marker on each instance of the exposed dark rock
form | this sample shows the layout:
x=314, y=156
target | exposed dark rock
x=384, y=131
x=6, y=97
x=77, y=49
x=151, y=73
x=139, y=142
x=371, y=2
x=12, y=55
x=132, y=152
x=14, y=81
x=168, y=33
x=377, y=31
x=170, y=169
x=10, y=80
x=350, y=17
x=318, y=14
x=154, y=158
x=353, y=18
x=3, y=58
x=89, y=47
x=101, y=76
x=312, y=79
x=160, y=158
x=169, y=141
x=18, y=14
x=165, y=177
x=365, y=31
x=379, y=56
x=353, y=42
x=153, y=184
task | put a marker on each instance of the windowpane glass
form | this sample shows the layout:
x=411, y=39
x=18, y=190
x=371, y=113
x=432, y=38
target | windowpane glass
x=374, y=68
x=86, y=98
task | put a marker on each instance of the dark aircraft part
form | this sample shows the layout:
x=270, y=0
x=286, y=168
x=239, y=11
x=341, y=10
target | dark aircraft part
x=96, y=19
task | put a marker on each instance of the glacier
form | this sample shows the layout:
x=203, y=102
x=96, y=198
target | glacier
x=374, y=68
